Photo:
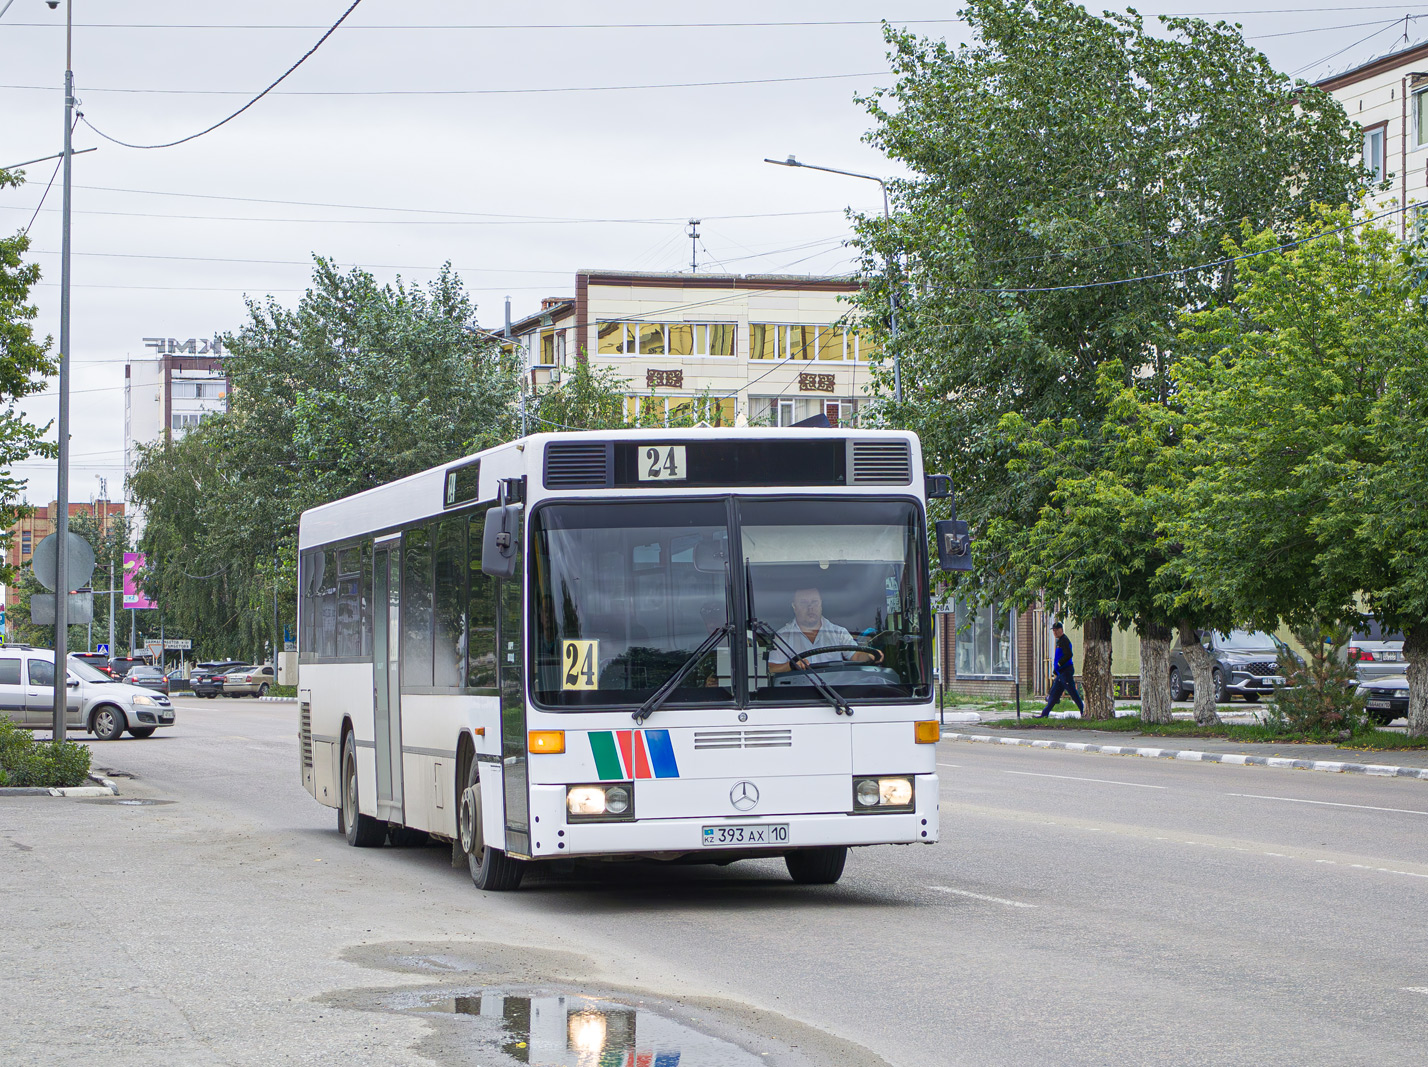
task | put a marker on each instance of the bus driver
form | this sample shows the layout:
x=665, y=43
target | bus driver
x=809, y=629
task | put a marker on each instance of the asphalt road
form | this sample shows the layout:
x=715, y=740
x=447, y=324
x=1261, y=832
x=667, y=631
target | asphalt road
x=1081, y=909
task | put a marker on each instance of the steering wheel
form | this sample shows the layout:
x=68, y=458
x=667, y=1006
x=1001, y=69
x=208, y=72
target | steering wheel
x=834, y=648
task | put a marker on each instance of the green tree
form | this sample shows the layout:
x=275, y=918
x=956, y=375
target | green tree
x=359, y=385
x=1058, y=152
x=24, y=363
x=1304, y=502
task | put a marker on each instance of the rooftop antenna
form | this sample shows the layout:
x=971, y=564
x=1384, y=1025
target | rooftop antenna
x=693, y=233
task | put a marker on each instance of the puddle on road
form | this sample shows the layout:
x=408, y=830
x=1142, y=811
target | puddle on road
x=551, y=1029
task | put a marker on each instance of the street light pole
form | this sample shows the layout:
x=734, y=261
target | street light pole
x=61, y=678
x=892, y=297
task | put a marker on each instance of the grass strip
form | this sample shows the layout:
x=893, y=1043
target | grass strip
x=1251, y=733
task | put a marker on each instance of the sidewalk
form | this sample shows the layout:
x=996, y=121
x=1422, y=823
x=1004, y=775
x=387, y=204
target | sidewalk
x=1406, y=763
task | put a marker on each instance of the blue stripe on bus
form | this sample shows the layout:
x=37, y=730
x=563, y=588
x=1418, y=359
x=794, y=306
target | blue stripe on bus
x=661, y=754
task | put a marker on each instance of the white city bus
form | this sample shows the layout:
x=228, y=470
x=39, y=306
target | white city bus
x=691, y=645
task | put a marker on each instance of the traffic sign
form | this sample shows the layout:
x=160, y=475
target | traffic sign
x=101, y=649
x=78, y=566
x=177, y=644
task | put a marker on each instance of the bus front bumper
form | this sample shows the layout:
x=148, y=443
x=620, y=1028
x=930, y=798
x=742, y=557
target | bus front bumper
x=554, y=836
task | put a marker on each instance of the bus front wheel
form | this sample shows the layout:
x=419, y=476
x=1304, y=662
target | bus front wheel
x=817, y=866
x=491, y=869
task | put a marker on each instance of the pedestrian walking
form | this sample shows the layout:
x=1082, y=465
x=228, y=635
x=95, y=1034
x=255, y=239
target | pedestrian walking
x=1063, y=671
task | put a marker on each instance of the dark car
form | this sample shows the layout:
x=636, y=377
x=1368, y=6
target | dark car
x=1246, y=665
x=148, y=677
x=207, y=678
x=177, y=680
x=122, y=665
x=1385, y=699
x=98, y=660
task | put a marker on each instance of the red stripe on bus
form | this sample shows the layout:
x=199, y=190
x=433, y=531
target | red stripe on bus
x=626, y=744
x=642, y=758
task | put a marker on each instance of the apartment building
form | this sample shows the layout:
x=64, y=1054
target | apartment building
x=1388, y=97
x=773, y=349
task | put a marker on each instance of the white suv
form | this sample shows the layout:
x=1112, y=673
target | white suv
x=97, y=703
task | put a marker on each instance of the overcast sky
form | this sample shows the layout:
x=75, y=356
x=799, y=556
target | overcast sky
x=484, y=134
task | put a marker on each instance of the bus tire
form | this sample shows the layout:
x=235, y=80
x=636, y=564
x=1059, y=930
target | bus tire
x=491, y=869
x=817, y=866
x=361, y=831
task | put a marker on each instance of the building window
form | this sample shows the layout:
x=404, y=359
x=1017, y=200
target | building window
x=1420, y=119
x=183, y=421
x=24, y=542
x=680, y=410
x=1374, y=156
x=984, y=642
x=768, y=340
x=552, y=347
x=703, y=339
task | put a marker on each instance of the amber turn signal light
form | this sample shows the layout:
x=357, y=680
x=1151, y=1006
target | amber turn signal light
x=547, y=741
x=927, y=732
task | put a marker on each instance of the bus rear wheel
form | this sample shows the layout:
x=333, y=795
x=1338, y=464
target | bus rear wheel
x=817, y=866
x=491, y=869
x=362, y=831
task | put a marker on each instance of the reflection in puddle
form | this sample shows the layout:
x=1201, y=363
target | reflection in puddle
x=579, y=1031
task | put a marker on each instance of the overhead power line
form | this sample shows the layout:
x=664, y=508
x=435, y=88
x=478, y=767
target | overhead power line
x=245, y=107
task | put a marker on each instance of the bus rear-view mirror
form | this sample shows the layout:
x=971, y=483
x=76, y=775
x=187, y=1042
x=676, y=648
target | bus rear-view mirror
x=954, y=545
x=498, y=542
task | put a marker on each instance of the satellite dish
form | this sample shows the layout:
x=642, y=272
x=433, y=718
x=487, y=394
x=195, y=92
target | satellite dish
x=78, y=561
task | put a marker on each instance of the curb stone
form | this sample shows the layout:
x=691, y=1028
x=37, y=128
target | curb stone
x=279, y=700
x=1196, y=756
x=105, y=788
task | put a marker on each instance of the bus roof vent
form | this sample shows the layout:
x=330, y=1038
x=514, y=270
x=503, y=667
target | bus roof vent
x=879, y=463
x=579, y=464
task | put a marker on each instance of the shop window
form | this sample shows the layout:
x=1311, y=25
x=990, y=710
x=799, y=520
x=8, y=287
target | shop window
x=983, y=642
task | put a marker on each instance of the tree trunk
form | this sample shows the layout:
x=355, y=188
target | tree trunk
x=1096, y=668
x=1154, y=671
x=1202, y=669
x=1415, y=650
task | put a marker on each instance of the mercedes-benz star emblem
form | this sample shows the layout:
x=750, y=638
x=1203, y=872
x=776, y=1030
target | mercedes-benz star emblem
x=744, y=796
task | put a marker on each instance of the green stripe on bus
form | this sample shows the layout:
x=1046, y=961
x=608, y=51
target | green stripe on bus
x=607, y=760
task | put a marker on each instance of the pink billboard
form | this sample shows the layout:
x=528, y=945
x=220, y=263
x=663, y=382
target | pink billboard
x=134, y=597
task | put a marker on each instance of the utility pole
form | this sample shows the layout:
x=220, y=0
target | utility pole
x=61, y=679
x=693, y=233
x=892, y=288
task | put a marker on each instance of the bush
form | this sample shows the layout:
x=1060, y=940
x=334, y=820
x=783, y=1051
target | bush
x=47, y=764
x=1319, y=696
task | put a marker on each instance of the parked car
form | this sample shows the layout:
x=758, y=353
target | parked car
x=122, y=665
x=148, y=677
x=207, y=678
x=1386, y=699
x=249, y=681
x=177, y=680
x=96, y=702
x=1246, y=665
x=1375, y=653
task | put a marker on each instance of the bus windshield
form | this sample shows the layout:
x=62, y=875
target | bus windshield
x=624, y=593
x=841, y=581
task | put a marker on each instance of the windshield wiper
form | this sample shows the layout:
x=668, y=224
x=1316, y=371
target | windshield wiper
x=773, y=639
x=660, y=695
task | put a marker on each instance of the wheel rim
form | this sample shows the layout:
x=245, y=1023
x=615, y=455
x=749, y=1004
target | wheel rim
x=104, y=722
x=349, y=792
x=1174, y=682
x=469, y=824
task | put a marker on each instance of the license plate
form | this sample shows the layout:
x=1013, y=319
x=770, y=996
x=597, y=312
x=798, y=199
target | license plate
x=747, y=834
x=1271, y=681
x=1379, y=704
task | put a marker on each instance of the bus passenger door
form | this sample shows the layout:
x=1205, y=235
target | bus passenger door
x=513, y=711
x=386, y=674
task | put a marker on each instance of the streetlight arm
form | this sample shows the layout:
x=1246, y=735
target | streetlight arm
x=791, y=162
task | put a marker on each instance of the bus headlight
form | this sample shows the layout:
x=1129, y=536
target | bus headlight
x=592, y=803
x=882, y=794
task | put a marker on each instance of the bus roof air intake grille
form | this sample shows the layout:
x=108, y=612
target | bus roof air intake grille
x=880, y=463
x=579, y=464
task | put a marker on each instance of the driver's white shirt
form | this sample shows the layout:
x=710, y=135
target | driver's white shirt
x=829, y=633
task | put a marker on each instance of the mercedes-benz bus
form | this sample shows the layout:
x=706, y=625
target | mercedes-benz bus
x=692, y=645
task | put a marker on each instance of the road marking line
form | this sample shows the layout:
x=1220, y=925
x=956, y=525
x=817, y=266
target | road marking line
x=981, y=896
x=1328, y=803
x=953, y=766
x=1416, y=989
x=1073, y=778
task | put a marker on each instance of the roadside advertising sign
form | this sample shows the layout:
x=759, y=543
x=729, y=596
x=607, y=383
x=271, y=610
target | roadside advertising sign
x=134, y=597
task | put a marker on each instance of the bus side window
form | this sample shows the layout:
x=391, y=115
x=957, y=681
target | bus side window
x=416, y=606
x=480, y=612
x=449, y=629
